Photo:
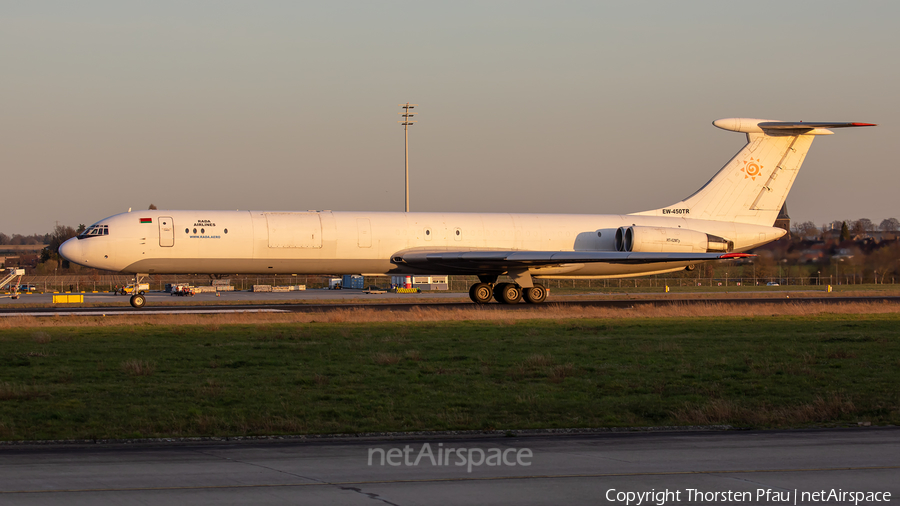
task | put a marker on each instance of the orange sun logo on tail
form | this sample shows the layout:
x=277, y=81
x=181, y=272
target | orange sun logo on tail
x=751, y=168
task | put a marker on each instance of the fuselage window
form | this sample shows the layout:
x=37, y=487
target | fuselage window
x=226, y=230
x=187, y=231
x=195, y=230
x=202, y=231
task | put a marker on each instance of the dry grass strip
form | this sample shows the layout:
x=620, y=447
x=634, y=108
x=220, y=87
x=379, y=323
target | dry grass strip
x=717, y=410
x=136, y=367
x=546, y=312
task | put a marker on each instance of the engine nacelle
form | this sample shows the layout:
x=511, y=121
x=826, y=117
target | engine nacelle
x=669, y=240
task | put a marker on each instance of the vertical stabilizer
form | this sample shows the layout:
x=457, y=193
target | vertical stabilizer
x=752, y=186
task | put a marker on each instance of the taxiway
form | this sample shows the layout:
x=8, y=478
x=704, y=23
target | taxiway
x=330, y=300
x=581, y=469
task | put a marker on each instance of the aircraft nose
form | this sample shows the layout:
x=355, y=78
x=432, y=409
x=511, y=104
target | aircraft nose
x=71, y=250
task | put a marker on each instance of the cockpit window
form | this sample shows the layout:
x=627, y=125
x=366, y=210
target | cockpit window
x=94, y=231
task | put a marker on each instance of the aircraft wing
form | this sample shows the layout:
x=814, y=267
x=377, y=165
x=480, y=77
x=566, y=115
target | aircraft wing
x=503, y=260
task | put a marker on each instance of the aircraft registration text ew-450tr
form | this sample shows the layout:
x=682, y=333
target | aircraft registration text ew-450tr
x=730, y=214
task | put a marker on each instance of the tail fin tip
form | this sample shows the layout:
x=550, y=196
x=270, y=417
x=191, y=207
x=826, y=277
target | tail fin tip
x=759, y=126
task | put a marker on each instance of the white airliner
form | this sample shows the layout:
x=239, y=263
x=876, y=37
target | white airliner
x=730, y=214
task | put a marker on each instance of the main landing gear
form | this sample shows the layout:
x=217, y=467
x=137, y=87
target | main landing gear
x=507, y=293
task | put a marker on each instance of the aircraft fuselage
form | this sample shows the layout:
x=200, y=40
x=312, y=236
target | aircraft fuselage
x=273, y=242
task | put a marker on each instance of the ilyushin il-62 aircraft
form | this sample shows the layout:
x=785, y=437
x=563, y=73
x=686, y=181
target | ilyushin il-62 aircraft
x=732, y=213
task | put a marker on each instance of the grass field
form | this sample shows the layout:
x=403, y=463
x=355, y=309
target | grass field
x=201, y=376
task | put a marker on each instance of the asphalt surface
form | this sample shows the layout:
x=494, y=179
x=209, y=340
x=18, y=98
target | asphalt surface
x=330, y=300
x=584, y=469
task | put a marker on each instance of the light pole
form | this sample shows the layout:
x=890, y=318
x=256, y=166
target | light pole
x=406, y=122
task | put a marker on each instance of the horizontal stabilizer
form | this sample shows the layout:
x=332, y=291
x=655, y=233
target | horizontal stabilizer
x=801, y=124
x=750, y=125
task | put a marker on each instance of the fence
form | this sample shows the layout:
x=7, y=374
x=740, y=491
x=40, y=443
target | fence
x=104, y=283
x=661, y=282
x=108, y=283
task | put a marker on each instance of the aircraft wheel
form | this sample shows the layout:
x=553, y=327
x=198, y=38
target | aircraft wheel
x=481, y=293
x=508, y=293
x=535, y=295
x=138, y=301
x=497, y=288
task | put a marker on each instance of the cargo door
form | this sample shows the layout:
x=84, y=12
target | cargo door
x=294, y=230
x=166, y=231
x=364, y=229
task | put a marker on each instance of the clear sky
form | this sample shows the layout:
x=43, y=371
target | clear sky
x=551, y=107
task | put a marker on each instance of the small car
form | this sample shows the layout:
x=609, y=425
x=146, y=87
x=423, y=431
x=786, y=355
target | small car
x=772, y=283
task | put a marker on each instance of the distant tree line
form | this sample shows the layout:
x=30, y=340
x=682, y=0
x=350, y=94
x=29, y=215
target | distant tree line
x=23, y=240
x=49, y=254
x=847, y=228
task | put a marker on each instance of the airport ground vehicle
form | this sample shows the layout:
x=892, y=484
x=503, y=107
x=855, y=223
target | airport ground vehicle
x=183, y=290
x=7, y=279
x=142, y=288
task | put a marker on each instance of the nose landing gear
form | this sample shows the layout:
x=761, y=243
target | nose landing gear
x=138, y=300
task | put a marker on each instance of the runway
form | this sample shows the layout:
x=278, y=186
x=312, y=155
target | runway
x=329, y=300
x=584, y=469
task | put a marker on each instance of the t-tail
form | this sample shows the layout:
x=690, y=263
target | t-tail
x=752, y=187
